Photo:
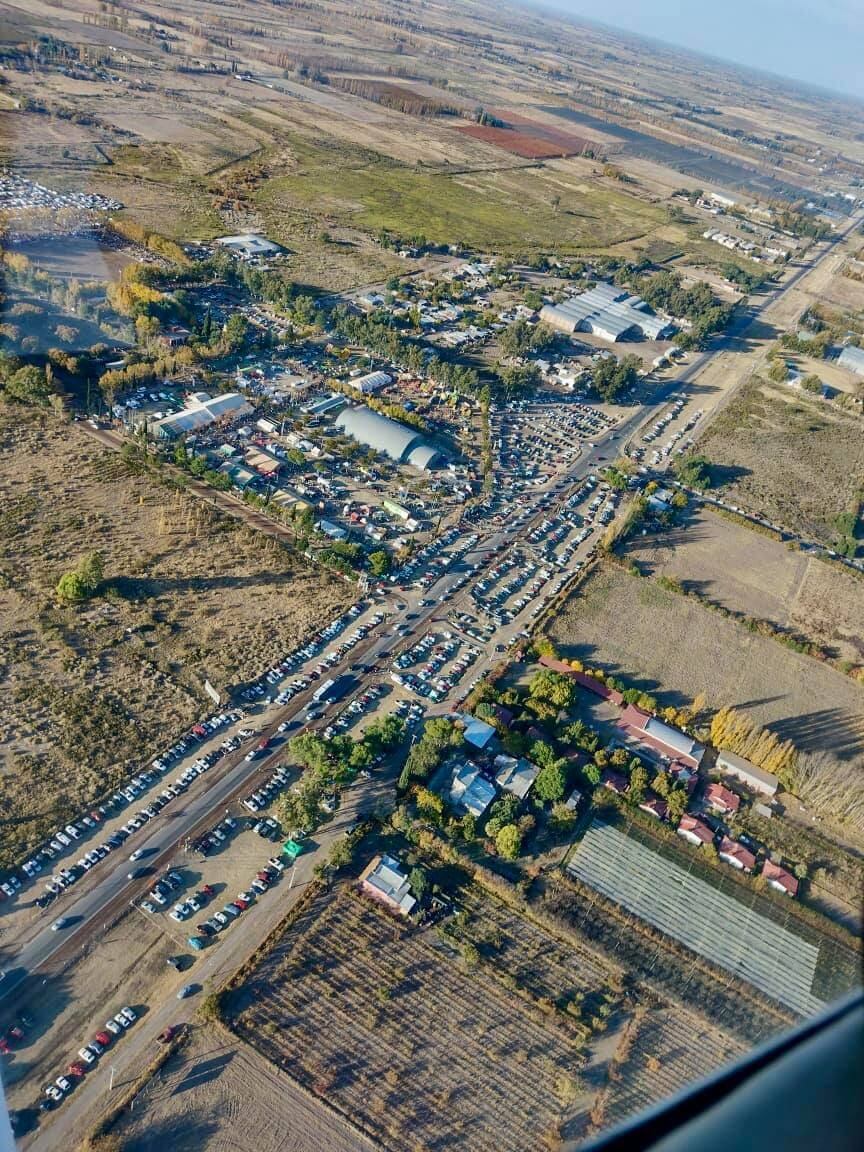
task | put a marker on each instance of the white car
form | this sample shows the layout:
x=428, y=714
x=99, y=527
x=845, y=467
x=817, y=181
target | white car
x=87, y=1055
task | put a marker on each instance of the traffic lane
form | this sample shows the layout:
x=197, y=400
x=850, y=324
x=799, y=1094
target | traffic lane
x=215, y=964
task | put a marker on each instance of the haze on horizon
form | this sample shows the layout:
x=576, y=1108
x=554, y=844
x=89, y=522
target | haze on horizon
x=820, y=44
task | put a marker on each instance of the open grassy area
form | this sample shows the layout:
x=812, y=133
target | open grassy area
x=87, y=691
x=509, y=210
x=675, y=648
x=792, y=458
x=726, y=563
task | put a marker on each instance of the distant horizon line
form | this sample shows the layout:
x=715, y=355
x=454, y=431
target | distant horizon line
x=556, y=7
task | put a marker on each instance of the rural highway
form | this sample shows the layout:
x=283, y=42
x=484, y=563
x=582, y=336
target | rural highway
x=106, y=889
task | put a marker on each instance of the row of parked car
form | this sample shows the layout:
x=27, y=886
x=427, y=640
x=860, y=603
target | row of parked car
x=266, y=793
x=219, y=921
x=293, y=660
x=65, y=838
x=358, y=707
x=214, y=839
x=88, y=1055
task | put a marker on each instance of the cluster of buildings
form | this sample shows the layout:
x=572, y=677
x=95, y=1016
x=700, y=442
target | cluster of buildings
x=609, y=312
x=200, y=411
x=766, y=253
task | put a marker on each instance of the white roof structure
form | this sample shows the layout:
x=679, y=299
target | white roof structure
x=385, y=880
x=402, y=444
x=249, y=244
x=200, y=411
x=852, y=358
x=371, y=382
x=752, y=775
x=607, y=312
x=516, y=776
x=470, y=791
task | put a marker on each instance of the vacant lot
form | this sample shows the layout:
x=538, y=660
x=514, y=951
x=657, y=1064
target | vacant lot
x=86, y=691
x=523, y=144
x=675, y=648
x=730, y=565
x=358, y=1008
x=217, y=1096
x=797, y=460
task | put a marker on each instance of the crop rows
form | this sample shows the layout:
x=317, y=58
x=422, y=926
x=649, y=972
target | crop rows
x=725, y=931
x=671, y=1048
x=386, y=1025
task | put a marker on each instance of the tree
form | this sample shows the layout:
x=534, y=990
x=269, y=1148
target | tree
x=70, y=588
x=551, y=782
x=694, y=471
x=379, y=563
x=638, y=784
x=592, y=773
x=551, y=687
x=610, y=377
x=677, y=804
x=508, y=841
x=660, y=784
x=28, y=385
x=418, y=882
x=236, y=332
x=92, y=571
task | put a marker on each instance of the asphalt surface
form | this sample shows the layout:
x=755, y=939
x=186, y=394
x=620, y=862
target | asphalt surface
x=106, y=888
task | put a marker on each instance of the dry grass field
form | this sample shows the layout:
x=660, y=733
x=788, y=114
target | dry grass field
x=408, y=1040
x=219, y=1096
x=87, y=691
x=745, y=572
x=675, y=648
x=794, y=459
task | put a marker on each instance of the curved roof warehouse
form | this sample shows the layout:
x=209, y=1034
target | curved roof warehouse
x=402, y=444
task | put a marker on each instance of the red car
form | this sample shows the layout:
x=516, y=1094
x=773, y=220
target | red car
x=77, y=1069
x=104, y=1038
x=167, y=1034
x=207, y=891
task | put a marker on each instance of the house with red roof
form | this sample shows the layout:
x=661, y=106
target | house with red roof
x=779, y=878
x=668, y=742
x=721, y=799
x=731, y=852
x=694, y=831
x=656, y=807
x=615, y=781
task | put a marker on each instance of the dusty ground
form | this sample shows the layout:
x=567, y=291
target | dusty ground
x=675, y=648
x=218, y=1095
x=795, y=459
x=408, y=1011
x=750, y=573
x=88, y=691
x=127, y=967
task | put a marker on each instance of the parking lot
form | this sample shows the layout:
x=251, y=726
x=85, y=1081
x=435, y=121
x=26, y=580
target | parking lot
x=435, y=665
x=535, y=439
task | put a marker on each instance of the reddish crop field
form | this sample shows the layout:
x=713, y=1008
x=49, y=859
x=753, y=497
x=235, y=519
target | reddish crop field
x=527, y=145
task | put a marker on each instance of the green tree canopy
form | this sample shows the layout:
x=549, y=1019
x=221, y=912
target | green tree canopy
x=508, y=841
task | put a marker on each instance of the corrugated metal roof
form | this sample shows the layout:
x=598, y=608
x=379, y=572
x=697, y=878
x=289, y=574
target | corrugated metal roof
x=402, y=444
x=852, y=358
x=605, y=310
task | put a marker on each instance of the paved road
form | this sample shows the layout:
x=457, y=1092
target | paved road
x=107, y=884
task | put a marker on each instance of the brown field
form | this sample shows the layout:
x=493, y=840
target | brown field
x=219, y=1096
x=357, y=1008
x=746, y=572
x=794, y=459
x=87, y=691
x=524, y=144
x=663, y=1052
x=675, y=648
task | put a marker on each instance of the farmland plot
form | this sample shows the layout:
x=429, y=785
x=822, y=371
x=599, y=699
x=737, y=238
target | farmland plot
x=365, y=1012
x=668, y=1049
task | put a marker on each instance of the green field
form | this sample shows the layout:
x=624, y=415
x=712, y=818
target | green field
x=510, y=211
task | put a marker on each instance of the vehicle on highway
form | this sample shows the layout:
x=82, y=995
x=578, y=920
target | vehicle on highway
x=63, y=922
x=186, y=991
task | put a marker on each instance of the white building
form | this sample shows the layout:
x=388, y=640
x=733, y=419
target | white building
x=249, y=244
x=371, y=382
x=469, y=791
x=516, y=776
x=201, y=410
x=608, y=312
x=384, y=880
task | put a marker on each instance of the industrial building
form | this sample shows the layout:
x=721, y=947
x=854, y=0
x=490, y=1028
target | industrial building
x=371, y=382
x=608, y=312
x=852, y=359
x=249, y=244
x=402, y=444
x=750, y=774
x=201, y=410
